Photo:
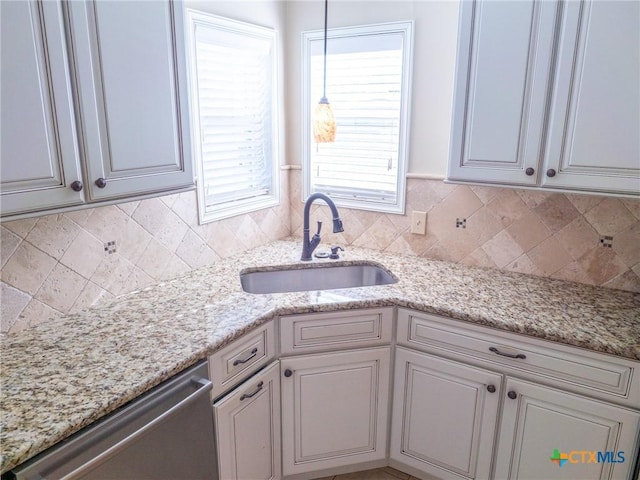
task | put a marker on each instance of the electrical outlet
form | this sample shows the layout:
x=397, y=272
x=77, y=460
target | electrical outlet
x=419, y=223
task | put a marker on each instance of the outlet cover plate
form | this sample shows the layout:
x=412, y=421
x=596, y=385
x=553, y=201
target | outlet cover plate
x=419, y=223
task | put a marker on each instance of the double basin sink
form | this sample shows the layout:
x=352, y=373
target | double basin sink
x=300, y=278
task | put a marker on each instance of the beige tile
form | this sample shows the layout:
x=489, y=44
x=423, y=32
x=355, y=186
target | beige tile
x=482, y=225
x=27, y=268
x=53, y=234
x=112, y=272
x=137, y=280
x=128, y=207
x=195, y=251
x=272, y=225
x=524, y=264
x=550, y=256
x=161, y=222
x=169, y=200
x=9, y=243
x=401, y=223
x=626, y=244
x=84, y=254
x=438, y=251
x=636, y=269
x=186, y=207
x=508, y=207
x=251, y=236
x=556, y=212
x=353, y=228
x=573, y=272
x=378, y=236
x=80, y=217
x=13, y=302
x=528, y=231
x=601, y=264
x=421, y=197
x=625, y=281
x=61, y=288
x=396, y=473
x=37, y=313
x=633, y=205
x=400, y=246
x=486, y=194
x=479, y=258
x=376, y=474
x=502, y=249
x=222, y=240
x=441, y=189
x=533, y=198
x=583, y=203
x=91, y=295
x=21, y=227
x=155, y=259
x=112, y=224
x=419, y=244
x=578, y=237
x=175, y=266
x=610, y=217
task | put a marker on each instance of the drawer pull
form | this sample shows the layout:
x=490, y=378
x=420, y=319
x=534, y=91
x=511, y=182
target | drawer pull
x=254, y=393
x=288, y=373
x=510, y=355
x=254, y=352
x=491, y=388
x=512, y=395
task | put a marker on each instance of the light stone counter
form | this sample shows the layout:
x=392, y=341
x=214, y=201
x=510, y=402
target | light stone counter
x=65, y=374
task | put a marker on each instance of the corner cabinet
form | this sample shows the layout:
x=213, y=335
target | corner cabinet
x=547, y=95
x=95, y=104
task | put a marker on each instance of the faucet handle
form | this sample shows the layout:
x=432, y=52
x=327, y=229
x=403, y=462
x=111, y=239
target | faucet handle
x=334, y=252
x=319, y=228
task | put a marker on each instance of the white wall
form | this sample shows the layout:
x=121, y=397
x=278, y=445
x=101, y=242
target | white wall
x=433, y=68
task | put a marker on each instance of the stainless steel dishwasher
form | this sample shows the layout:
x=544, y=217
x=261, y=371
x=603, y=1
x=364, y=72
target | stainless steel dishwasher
x=165, y=434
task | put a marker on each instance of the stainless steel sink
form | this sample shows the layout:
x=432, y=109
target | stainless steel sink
x=320, y=277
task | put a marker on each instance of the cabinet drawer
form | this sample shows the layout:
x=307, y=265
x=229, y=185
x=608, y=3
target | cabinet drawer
x=345, y=329
x=237, y=361
x=568, y=367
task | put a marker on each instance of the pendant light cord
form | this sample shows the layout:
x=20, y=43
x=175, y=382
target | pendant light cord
x=324, y=77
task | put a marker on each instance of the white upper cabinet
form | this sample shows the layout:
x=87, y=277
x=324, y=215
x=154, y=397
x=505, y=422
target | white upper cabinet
x=130, y=69
x=547, y=95
x=593, y=141
x=39, y=157
x=94, y=102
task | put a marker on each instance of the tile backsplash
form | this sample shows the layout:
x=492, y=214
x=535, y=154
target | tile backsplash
x=64, y=263
x=582, y=238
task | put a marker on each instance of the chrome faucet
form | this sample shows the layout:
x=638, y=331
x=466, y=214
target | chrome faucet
x=309, y=245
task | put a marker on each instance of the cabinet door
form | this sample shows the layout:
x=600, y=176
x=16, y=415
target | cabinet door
x=444, y=416
x=594, y=122
x=130, y=69
x=38, y=144
x=334, y=409
x=551, y=434
x=502, y=81
x=248, y=428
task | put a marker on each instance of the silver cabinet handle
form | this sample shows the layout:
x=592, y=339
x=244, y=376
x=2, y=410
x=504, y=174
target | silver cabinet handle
x=510, y=355
x=254, y=393
x=254, y=352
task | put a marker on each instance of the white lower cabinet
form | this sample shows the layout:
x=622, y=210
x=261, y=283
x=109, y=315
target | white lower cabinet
x=248, y=428
x=544, y=427
x=334, y=409
x=444, y=415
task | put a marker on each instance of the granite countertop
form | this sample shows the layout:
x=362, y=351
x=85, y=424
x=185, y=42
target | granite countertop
x=64, y=374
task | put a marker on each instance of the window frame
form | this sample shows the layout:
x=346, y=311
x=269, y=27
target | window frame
x=232, y=208
x=406, y=29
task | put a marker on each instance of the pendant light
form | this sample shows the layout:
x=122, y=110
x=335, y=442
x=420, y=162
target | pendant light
x=324, y=124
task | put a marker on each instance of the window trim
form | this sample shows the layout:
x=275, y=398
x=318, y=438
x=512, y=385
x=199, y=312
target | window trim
x=406, y=29
x=247, y=205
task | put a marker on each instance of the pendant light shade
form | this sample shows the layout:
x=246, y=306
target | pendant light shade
x=324, y=123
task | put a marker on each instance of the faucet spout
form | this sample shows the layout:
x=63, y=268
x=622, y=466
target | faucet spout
x=310, y=244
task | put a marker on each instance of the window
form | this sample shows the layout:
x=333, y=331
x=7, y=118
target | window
x=235, y=136
x=368, y=87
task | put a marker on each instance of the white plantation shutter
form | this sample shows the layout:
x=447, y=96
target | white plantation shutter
x=368, y=88
x=233, y=74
